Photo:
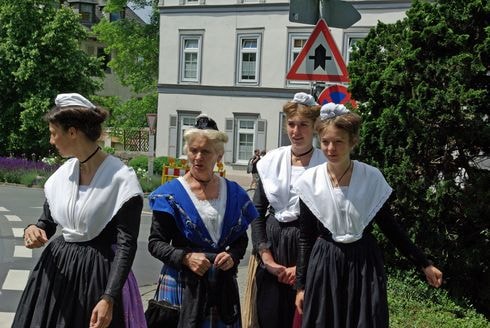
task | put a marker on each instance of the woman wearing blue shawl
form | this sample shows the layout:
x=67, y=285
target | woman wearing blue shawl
x=199, y=233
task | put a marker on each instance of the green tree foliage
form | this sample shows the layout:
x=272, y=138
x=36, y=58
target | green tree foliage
x=136, y=62
x=130, y=114
x=423, y=85
x=136, y=46
x=40, y=56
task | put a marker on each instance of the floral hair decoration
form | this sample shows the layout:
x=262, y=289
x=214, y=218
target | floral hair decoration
x=331, y=110
x=304, y=99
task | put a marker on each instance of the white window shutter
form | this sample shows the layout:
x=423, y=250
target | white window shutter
x=172, y=136
x=229, y=125
x=261, y=134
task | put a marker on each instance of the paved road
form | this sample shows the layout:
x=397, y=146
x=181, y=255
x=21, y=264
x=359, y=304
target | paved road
x=20, y=206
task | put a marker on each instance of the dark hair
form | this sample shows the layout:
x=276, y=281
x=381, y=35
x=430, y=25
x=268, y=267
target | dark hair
x=87, y=120
x=349, y=122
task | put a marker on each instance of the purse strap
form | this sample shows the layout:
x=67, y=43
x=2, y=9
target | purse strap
x=160, y=277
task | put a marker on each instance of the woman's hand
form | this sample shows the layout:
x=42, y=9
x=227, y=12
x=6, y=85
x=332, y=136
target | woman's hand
x=433, y=275
x=224, y=261
x=197, y=263
x=101, y=314
x=300, y=297
x=271, y=265
x=288, y=276
x=34, y=237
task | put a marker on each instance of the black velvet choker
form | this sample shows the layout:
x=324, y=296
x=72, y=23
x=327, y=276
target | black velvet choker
x=303, y=154
x=91, y=155
x=204, y=182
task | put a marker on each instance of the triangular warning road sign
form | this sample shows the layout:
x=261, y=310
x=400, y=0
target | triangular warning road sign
x=320, y=59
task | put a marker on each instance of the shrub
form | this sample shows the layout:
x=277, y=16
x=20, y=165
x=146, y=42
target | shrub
x=29, y=178
x=148, y=185
x=139, y=162
x=109, y=150
x=12, y=176
x=423, y=88
x=23, y=171
x=413, y=303
x=158, y=164
x=142, y=163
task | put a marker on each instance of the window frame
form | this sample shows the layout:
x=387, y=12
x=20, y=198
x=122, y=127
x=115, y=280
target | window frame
x=116, y=16
x=181, y=127
x=243, y=131
x=346, y=42
x=182, y=65
x=295, y=35
x=92, y=19
x=242, y=36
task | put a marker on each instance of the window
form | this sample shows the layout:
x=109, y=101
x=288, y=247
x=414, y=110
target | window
x=296, y=43
x=248, y=58
x=245, y=139
x=186, y=121
x=190, y=58
x=352, y=42
x=245, y=133
x=350, y=39
x=87, y=13
x=115, y=16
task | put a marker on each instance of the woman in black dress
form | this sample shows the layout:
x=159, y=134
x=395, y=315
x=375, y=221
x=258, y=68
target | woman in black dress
x=340, y=272
x=275, y=233
x=83, y=277
x=199, y=232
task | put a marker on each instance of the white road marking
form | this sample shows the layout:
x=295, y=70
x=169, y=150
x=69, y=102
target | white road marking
x=6, y=319
x=16, y=280
x=21, y=251
x=18, y=232
x=3, y=209
x=13, y=218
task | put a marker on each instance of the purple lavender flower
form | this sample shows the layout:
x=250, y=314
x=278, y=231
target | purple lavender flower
x=22, y=164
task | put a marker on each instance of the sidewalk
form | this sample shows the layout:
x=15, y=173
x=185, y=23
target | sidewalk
x=243, y=179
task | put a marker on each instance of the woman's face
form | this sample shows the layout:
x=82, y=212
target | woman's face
x=300, y=131
x=60, y=139
x=336, y=144
x=202, y=154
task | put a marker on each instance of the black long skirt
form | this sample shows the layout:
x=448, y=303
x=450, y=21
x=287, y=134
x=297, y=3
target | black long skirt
x=345, y=285
x=65, y=286
x=275, y=300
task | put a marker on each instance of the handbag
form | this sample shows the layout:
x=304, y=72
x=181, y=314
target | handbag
x=161, y=313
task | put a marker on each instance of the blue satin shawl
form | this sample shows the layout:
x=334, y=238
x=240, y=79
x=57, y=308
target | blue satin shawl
x=172, y=198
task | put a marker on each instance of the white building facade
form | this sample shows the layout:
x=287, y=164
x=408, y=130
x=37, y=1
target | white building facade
x=229, y=60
